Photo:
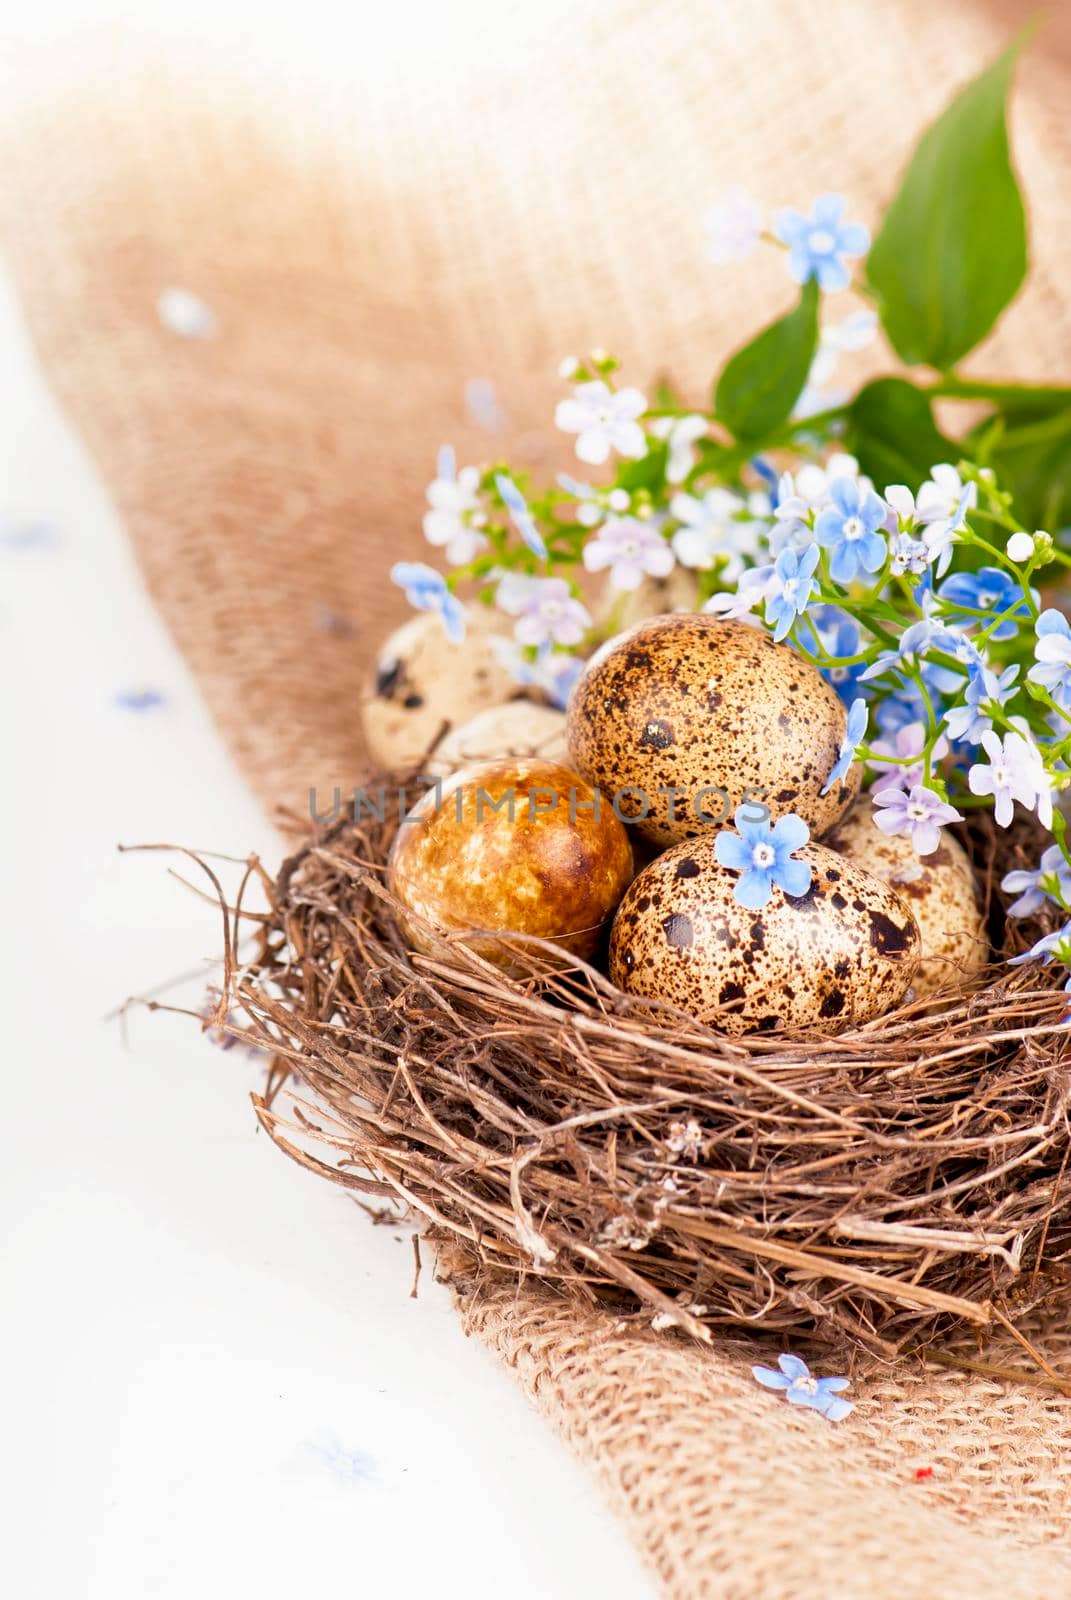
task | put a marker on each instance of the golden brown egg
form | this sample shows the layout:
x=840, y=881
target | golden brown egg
x=512, y=846
x=686, y=717
x=840, y=954
x=421, y=683
x=938, y=889
x=519, y=728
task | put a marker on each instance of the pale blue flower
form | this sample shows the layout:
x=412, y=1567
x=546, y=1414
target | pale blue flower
x=926, y=634
x=553, y=672
x=1053, y=654
x=791, y=588
x=453, y=510
x=857, y=721
x=918, y=812
x=764, y=856
x=483, y=405
x=1051, y=881
x=1052, y=945
x=546, y=609
x=603, y=420
x=522, y=518
x=849, y=529
x=989, y=590
x=969, y=722
x=426, y=590
x=800, y=1389
x=733, y=226
x=630, y=550
x=818, y=243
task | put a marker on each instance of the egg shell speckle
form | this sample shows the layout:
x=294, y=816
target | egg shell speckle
x=697, y=702
x=938, y=889
x=839, y=955
x=421, y=681
x=556, y=872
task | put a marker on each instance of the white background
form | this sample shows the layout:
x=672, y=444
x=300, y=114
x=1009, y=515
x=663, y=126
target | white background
x=216, y=1381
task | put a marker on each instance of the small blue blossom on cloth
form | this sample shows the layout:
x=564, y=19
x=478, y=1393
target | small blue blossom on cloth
x=800, y=1389
x=818, y=244
x=426, y=590
x=988, y=590
x=517, y=506
x=848, y=529
x=139, y=699
x=763, y=855
x=857, y=721
x=791, y=589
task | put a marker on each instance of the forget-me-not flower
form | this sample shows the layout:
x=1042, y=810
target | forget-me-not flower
x=1015, y=771
x=453, y=501
x=754, y=586
x=988, y=590
x=918, y=812
x=1053, y=656
x=713, y=528
x=603, y=420
x=790, y=589
x=857, y=721
x=967, y=723
x=680, y=435
x=552, y=672
x=520, y=515
x=631, y=550
x=904, y=762
x=800, y=1389
x=848, y=528
x=733, y=226
x=546, y=610
x=426, y=590
x=1051, y=881
x=818, y=243
x=764, y=856
x=833, y=632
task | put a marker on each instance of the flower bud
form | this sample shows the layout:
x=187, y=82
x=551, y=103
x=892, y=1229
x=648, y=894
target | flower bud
x=1020, y=548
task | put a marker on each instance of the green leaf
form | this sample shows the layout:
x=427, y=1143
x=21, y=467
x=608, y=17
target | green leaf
x=762, y=382
x=1032, y=458
x=892, y=432
x=952, y=250
x=649, y=472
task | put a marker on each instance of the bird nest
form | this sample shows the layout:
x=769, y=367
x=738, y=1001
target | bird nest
x=869, y=1190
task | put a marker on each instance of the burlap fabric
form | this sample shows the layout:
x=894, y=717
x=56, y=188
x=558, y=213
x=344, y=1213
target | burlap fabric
x=366, y=249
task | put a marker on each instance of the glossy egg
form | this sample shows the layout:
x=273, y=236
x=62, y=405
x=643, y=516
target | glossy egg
x=422, y=684
x=686, y=717
x=512, y=847
x=518, y=728
x=838, y=955
x=938, y=889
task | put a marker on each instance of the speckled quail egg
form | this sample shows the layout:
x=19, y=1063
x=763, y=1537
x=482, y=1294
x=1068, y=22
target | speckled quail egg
x=838, y=955
x=512, y=847
x=938, y=889
x=519, y=728
x=685, y=717
x=421, y=681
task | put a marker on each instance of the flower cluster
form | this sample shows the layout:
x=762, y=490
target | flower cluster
x=919, y=602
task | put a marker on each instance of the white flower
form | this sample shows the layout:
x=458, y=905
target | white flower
x=604, y=421
x=547, y=611
x=755, y=586
x=1015, y=771
x=938, y=500
x=711, y=529
x=839, y=339
x=631, y=550
x=453, y=499
x=733, y=226
x=567, y=367
x=1020, y=548
x=680, y=433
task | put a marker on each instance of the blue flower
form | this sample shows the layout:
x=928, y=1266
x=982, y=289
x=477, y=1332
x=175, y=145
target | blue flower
x=838, y=635
x=927, y=634
x=800, y=1389
x=818, y=243
x=1053, y=944
x=967, y=723
x=1051, y=881
x=426, y=590
x=857, y=721
x=763, y=855
x=1053, y=653
x=523, y=521
x=849, y=529
x=989, y=590
x=792, y=584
